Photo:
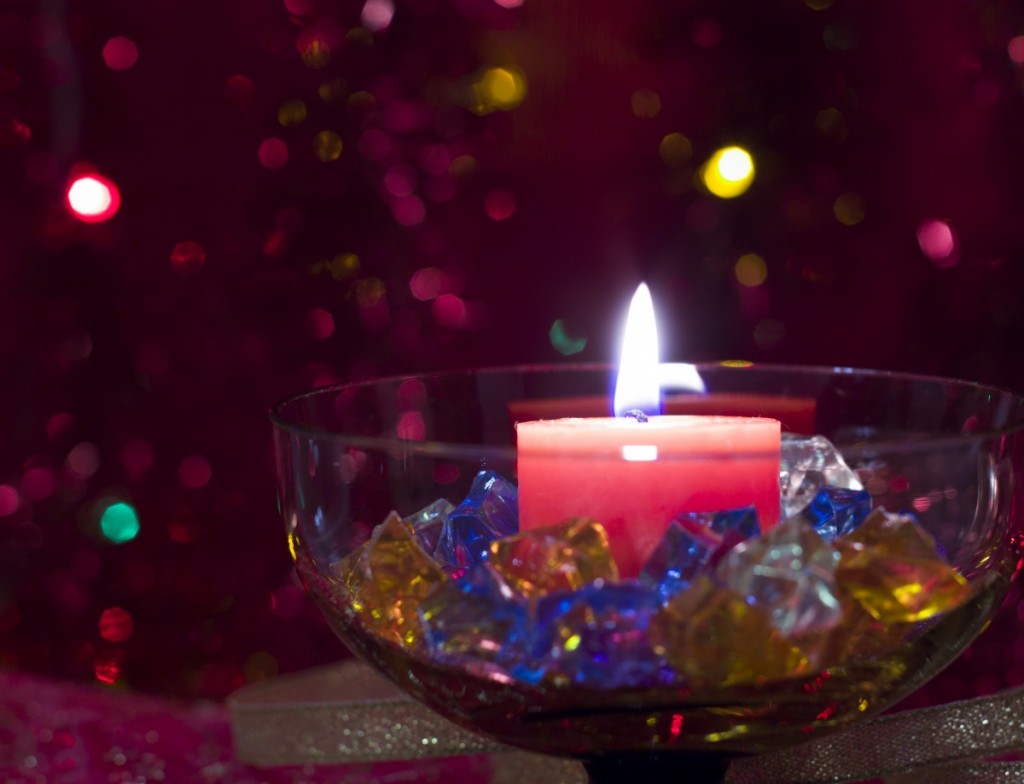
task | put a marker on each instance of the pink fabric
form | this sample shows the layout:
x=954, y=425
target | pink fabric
x=63, y=733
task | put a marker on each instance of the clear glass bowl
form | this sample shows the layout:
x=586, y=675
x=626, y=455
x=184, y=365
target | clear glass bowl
x=950, y=451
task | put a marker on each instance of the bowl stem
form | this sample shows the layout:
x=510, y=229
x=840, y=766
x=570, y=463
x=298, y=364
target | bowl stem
x=658, y=768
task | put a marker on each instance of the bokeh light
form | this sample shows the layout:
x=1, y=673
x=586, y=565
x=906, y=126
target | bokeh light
x=500, y=204
x=319, y=324
x=937, y=242
x=428, y=283
x=498, y=89
x=120, y=53
x=93, y=198
x=194, y=472
x=831, y=125
x=566, y=337
x=1016, y=49
x=645, y=103
x=327, y=146
x=377, y=15
x=9, y=500
x=136, y=457
x=292, y=112
x=728, y=173
x=849, y=209
x=314, y=49
x=115, y=625
x=119, y=522
x=188, y=257
x=707, y=32
x=84, y=459
x=108, y=666
x=411, y=427
x=273, y=153
x=750, y=270
x=675, y=149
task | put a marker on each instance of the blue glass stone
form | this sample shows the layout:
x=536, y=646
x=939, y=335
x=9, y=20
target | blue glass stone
x=837, y=511
x=489, y=512
x=694, y=543
x=477, y=618
x=808, y=463
x=598, y=636
x=428, y=523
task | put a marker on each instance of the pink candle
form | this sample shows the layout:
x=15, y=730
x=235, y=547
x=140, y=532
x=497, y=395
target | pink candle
x=634, y=477
x=634, y=474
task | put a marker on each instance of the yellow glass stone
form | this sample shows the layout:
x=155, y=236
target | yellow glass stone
x=862, y=636
x=388, y=578
x=892, y=566
x=715, y=638
x=560, y=557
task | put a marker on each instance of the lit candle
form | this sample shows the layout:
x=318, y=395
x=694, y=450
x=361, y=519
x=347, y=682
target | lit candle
x=636, y=471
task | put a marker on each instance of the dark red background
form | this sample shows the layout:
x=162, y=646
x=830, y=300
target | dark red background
x=169, y=329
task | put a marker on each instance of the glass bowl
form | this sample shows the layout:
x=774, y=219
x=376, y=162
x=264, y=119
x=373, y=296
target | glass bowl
x=948, y=452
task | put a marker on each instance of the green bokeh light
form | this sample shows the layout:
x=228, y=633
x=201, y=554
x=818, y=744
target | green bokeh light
x=119, y=523
x=566, y=339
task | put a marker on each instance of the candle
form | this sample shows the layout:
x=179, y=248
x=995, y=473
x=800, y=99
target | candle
x=635, y=473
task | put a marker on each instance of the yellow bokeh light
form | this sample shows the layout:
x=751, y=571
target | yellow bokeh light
x=728, y=173
x=750, y=270
x=333, y=91
x=344, y=265
x=499, y=89
x=831, y=125
x=327, y=146
x=675, y=149
x=292, y=112
x=646, y=104
x=463, y=166
x=849, y=209
x=315, y=52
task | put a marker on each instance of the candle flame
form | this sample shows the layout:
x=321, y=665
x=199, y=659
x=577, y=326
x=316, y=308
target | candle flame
x=639, y=383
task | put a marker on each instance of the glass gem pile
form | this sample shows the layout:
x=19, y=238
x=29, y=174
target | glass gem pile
x=719, y=602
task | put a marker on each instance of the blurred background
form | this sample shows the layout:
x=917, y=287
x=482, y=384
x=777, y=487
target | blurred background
x=207, y=206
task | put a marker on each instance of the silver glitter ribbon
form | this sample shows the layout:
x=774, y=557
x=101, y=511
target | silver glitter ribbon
x=349, y=713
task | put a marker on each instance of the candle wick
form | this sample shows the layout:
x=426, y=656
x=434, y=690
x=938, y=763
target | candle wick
x=637, y=414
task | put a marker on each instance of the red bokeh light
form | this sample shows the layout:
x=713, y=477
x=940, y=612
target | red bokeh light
x=92, y=198
x=319, y=324
x=194, y=472
x=500, y=204
x=188, y=256
x=116, y=625
x=120, y=53
x=273, y=153
x=108, y=666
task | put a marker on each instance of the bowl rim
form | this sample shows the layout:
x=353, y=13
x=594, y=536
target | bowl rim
x=455, y=450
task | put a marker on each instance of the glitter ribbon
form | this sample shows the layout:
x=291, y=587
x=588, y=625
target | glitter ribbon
x=349, y=713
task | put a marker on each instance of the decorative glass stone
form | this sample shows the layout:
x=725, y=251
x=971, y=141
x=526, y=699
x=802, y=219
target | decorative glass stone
x=490, y=511
x=893, y=567
x=387, y=578
x=837, y=511
x=598, y=636
x=693, y=543
x=477, y=617
x=807, y=463
x=714, y=637
x=561, y=557
x=428, y=523
x=790, y=575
